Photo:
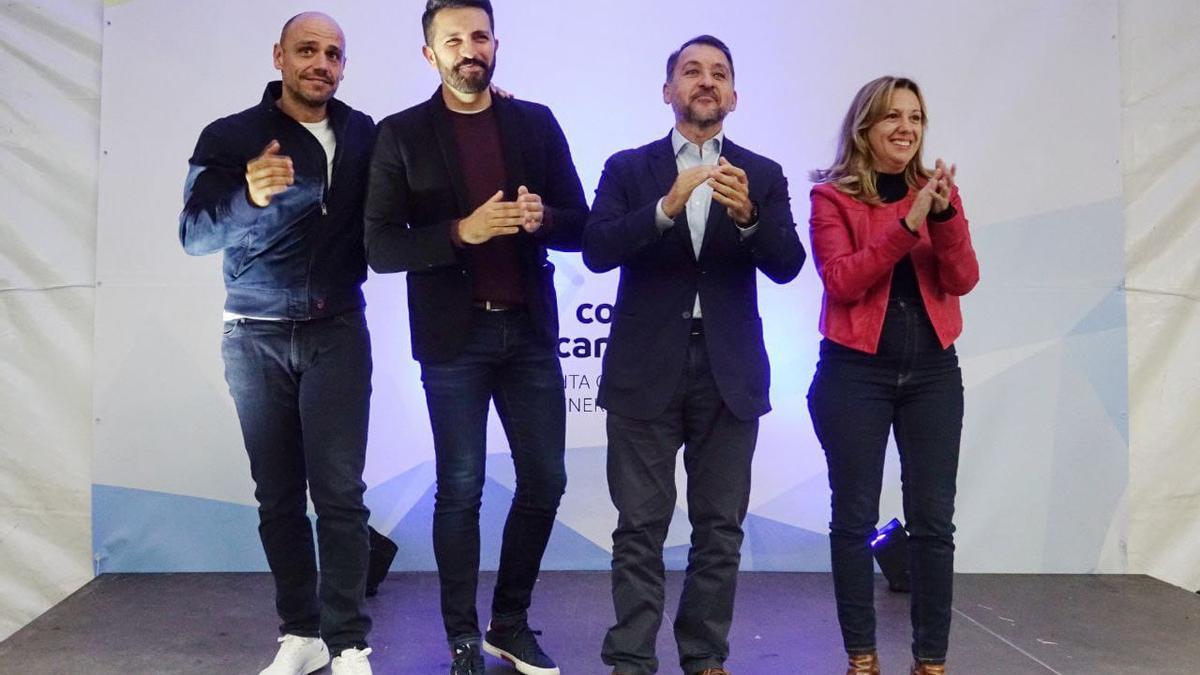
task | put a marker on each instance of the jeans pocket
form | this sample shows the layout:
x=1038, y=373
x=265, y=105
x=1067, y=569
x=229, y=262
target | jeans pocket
x=231, y=327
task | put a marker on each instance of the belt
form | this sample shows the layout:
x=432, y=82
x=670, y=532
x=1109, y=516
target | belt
x=493, y=306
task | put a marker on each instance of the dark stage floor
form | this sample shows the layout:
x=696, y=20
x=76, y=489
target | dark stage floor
x=1004, y=624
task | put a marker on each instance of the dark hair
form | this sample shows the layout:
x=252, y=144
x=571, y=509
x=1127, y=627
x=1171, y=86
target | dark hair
x=698, y=40
x=432, y=7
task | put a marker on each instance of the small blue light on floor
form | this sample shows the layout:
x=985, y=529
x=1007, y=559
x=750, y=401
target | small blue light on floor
x=886, y=530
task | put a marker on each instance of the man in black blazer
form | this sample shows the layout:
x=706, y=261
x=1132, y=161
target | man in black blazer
x=467, y=191
x=689, y=219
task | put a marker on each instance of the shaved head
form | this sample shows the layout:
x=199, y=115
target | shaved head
x=313, y=18
x=310, y=57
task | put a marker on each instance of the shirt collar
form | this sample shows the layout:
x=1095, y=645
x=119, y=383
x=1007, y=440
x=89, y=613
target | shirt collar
x=678, y=141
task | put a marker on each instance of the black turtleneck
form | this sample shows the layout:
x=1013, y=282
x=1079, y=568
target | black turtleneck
x=892, y=188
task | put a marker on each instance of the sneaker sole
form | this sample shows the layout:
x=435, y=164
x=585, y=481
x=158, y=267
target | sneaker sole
x=521, y=666
x=313, y=665
x=317, y=665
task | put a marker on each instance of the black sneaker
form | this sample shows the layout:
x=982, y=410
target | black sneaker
x=519, y=646
x=466, y=658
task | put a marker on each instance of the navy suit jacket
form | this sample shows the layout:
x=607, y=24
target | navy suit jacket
x=660, y=277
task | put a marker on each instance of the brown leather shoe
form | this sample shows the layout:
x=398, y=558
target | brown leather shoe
x=919, y=668
x=712, y=671
x=863, y=664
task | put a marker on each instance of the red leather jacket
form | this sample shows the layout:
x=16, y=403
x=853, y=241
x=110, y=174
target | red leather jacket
x=856, y=245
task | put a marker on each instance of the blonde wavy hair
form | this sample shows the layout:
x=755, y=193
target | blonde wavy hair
x=852, y=171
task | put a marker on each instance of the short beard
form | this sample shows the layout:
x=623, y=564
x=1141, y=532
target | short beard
x=469, y=84
x=703, y=120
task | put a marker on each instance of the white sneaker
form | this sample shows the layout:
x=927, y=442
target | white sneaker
x=298, y=656
x=352, y=662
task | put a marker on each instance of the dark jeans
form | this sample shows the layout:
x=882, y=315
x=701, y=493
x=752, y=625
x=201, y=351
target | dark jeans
x=718, y=449
x=302, y=391
x=505, y=363
x=914, y=388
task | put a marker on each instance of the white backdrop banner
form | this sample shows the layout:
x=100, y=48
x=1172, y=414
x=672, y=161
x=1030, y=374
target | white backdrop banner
x=1023, y=96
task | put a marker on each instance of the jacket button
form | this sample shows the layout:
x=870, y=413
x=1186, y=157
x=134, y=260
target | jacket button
x=687, y=315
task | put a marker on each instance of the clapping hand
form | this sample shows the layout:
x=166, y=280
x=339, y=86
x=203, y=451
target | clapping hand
x=533, y=211
x=944, y=187
x=731, y=189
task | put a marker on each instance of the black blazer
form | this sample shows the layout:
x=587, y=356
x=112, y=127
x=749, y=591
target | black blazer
x=416, y=191
x=660, y=277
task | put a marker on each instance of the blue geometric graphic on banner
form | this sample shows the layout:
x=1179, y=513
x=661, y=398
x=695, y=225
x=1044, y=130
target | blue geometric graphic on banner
x=1034, y=287
x=1108, y=314
x=146, y=531
x=772, y=546
x=391, y=500
x=1100, y=357
x=567, y=548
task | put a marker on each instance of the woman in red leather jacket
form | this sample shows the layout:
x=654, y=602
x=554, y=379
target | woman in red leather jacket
x=893, y=250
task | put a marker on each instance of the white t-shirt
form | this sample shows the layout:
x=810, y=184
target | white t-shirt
x=323, y=131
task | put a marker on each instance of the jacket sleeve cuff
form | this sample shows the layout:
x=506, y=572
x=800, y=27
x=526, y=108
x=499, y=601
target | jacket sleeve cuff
x=944, y=216
x=455, y=238
x=547, y=224
x=660, y=217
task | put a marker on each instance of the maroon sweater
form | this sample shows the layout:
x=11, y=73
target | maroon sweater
x=495, y=270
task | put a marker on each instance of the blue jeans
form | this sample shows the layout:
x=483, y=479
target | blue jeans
x=911, y=387
x=302, y=391
x=505, y=363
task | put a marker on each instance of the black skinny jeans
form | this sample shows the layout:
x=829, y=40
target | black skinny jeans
x=506, y=364
x=913, y=388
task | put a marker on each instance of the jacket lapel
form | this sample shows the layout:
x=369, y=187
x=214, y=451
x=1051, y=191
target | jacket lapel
x=510, y=142
x=717, y=216
x=449, y=148
x=665, y=171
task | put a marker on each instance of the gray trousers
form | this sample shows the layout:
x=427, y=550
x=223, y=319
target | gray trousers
x=718, y=449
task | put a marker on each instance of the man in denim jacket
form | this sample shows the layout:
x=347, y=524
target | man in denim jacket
x=279, y=189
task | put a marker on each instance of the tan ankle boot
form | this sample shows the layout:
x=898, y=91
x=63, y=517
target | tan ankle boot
x=863, y=664
x=919, y=668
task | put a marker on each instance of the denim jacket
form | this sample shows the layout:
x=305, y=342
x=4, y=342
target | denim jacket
x=300, y=257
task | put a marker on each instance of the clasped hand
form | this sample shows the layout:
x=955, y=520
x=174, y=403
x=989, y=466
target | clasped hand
x=934, y=197
x=497, y=218
x=730, y=186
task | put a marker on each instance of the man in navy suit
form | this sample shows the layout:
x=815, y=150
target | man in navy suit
x=689, y=219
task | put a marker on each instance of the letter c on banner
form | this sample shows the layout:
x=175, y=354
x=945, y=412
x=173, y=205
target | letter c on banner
x=581, y=313
x=601, y=313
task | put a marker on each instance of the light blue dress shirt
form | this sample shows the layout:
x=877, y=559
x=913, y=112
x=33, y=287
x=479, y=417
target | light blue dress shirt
x=688, y=155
